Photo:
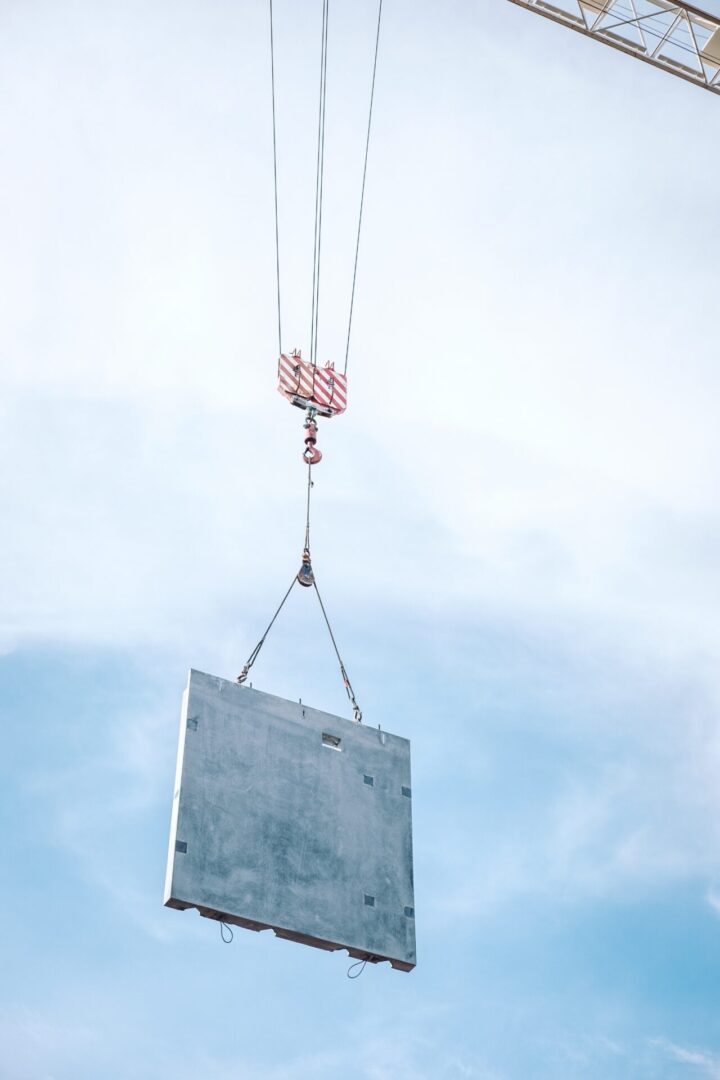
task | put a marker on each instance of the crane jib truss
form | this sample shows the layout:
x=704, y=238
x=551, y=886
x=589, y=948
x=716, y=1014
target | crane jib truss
x=675, y=37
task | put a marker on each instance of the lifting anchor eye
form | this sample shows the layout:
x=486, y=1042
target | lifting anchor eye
x=311, y=455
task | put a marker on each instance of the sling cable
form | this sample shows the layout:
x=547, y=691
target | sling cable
x=319, y=391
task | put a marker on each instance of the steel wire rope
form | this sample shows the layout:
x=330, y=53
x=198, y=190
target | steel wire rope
x=307, y=515
x=357, y=714
x=254, y=654
x=319, y=175
x=317, y=248
x=362, y=191
x=275, y=175
x=322, y=177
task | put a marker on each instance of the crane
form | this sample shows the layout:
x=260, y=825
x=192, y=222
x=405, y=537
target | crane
x=669, y=34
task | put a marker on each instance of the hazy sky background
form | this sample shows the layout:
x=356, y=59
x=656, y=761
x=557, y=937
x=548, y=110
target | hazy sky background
x=516, y=528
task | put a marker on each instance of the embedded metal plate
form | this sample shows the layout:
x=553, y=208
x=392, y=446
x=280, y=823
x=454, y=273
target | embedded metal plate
x=292, y=819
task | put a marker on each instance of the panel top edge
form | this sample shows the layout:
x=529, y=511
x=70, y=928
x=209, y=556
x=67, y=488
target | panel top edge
x=217, y=684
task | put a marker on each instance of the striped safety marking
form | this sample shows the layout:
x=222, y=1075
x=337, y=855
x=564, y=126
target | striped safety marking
x=324, y=387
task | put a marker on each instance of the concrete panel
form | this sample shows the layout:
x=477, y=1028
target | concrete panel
x=295, y=820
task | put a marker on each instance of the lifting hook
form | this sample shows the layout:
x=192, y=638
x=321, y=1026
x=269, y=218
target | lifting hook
x=311, y=454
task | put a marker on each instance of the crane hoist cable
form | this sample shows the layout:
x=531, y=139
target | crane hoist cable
x=319, y=391
x=274, y=140
x=362, y=190
x=319, y=176
x=306, y=577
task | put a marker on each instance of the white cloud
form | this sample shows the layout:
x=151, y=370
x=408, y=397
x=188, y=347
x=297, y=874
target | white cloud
x=409, y=1052
x=101, y=811
x=700, y=1062
x=593, y=798
x=532, y=434
x=519, y=439
x=34, y=1046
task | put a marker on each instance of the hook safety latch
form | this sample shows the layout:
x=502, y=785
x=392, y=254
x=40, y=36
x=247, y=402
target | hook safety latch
x=311, y=454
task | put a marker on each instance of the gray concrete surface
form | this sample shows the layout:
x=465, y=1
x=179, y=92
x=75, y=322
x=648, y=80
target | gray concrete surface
x=295, y=820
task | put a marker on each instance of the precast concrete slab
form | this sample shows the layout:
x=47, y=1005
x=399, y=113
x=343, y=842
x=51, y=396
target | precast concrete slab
x=295, y=820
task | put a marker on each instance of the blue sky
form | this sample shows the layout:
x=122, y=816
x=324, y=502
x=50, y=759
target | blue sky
x=515, y=529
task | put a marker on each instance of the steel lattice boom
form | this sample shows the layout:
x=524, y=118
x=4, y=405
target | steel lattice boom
x=676, y=37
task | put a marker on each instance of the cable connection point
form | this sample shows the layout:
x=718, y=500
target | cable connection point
x=305, y=573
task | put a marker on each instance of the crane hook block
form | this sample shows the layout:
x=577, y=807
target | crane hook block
x=311, y=387
x=305, y=573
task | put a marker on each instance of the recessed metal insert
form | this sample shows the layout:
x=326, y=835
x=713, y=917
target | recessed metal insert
x=333, y=741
